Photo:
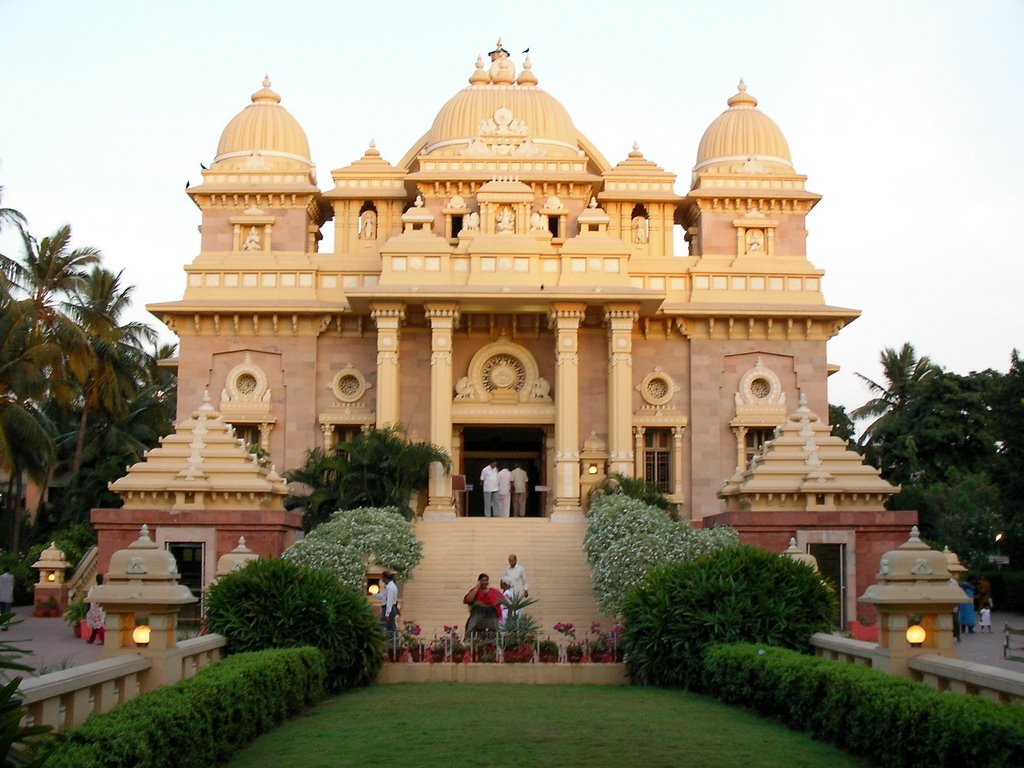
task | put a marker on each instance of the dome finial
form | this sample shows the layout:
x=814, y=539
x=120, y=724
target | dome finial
x=266, y=80
x=742, y=87
x=265, y=95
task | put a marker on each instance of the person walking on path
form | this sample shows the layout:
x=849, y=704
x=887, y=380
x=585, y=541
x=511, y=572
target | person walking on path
x=967, y=608
x=504, y=492
x=95, y=617
x=489, y=484
x=520, y=481
x=515, y=575
x=6, y=592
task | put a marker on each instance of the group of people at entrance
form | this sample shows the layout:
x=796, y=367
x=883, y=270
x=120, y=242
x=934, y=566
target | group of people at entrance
x=488, y=607
x=504, y=489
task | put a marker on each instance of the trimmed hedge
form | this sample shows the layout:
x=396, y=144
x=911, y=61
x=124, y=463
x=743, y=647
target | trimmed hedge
x=203, y=720
x=280, y=604
x=732, y=595
x=890, y=720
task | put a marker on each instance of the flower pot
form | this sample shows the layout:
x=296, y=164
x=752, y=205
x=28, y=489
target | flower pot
x=519, y=654
x=415, y=653
x=437, y=655
x=574, y=653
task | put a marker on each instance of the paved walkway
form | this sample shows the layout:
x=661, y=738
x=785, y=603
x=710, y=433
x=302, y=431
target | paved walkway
x=50, y=645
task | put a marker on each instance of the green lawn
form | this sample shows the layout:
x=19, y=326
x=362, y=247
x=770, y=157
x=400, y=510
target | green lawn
x=531, y=726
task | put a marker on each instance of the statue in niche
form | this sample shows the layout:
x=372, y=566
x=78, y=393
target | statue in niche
x=457, y=202
x=506, y=220
x=538, y=221
x=472, y=221
x=639, y=229
x=755, y=240
x=252, y=241
x=368, y=225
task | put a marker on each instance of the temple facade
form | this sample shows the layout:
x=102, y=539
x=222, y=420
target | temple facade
x=508, y=294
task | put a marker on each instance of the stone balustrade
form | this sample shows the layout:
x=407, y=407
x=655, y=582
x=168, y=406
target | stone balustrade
x=66, y=698
x=944, y=673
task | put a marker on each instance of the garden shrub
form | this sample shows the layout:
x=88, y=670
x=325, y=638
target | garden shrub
x=344, y=543
x=280, y=604
x=890, y=720
x=200, y=721
x=736, y=594
x=625, y=537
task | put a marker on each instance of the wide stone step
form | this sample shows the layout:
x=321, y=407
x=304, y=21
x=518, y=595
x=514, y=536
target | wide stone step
x=456, y=551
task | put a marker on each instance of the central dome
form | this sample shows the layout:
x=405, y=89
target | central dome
x=266, y=131
x=500, y=113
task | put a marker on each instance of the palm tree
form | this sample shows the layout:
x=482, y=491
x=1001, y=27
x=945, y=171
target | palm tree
x=902, y=370
x=377, y=468
x=26, y=445
x=109, y=376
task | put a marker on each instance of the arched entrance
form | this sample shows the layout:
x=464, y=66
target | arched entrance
x=508, y=446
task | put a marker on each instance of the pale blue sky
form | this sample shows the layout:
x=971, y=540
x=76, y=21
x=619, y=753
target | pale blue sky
x=905, y=116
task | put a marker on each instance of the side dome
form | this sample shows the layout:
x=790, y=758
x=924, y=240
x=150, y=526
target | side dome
x=265, y=131
x=500, y=113
x=743, y=139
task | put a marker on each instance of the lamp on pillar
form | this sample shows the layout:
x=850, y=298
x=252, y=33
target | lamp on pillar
x=794, y=552
x=592, y=462
x=235, y=560
x=142, y=589
x=51, y=565
x=915, y=597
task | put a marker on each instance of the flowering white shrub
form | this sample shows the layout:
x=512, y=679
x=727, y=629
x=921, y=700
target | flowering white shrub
x=626, y=537
x=351, y=537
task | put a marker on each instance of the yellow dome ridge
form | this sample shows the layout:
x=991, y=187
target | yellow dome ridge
x=743, y=139
x=263, y=134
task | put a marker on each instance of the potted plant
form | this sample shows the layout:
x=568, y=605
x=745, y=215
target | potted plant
x=548, y=651
x=449, y=646
x=519, y=633
x=410, y=634
x=47, y=607
x=573, y=650
x=605, y=647
x=74, y=615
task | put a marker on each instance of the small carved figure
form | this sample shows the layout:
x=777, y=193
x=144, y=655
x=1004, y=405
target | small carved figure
x=252, y=241
x=755, y=240
x=538, y=222
x=639, y=229
x=541, y=389
x=368, y=225
x=464, y=388
x=472, y=221
x=506, y=220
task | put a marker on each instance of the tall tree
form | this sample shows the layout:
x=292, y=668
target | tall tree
x=901, y=369
x=109, y=376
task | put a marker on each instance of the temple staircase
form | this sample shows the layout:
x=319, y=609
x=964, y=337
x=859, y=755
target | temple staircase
x=456, y=551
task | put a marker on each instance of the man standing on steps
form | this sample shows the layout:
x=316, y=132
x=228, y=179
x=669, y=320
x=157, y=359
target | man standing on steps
x=520, y=480
x=389, y=605
x=516, y=577
x=489, y=484
x=504, y=492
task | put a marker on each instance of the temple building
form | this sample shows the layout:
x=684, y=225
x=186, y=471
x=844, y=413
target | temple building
x=505, y=292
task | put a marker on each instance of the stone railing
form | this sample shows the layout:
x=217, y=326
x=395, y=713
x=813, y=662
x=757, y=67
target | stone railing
x=943, y=673
x=66, y=698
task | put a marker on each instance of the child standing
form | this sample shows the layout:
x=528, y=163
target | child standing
x=986, y=619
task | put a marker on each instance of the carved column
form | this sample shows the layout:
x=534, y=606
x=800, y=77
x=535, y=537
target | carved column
x=328, y=431
x=443, y=319
x=389, y=317
x=741, y=448
x=620, y=319
x=677, y=463
x=638, y=452
x=565, y=320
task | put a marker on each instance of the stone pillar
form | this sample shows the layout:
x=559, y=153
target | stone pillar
x=565, y=320
x=620, y=319
x=389, y=317
x=677, y=463
x=638, y=452
x=741, y=448
x=443, y=319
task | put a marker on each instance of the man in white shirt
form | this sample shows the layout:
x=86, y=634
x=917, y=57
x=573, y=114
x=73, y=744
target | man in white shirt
x=504, y=492
x=389, y=604
x=489, y=484
x=520, y=481
x=516, y=577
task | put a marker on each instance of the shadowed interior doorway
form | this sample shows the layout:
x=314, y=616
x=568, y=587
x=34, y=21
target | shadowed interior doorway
x=508, y=446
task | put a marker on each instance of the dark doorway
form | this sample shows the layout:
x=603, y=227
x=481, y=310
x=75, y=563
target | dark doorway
x=831, y=565
x=189, y=557
x=508, y=446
